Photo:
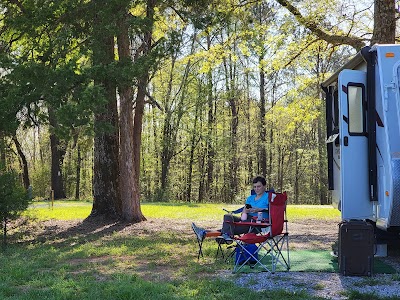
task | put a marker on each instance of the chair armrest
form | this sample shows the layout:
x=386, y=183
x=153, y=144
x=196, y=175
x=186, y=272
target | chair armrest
x=237, y=211
x=252, y=224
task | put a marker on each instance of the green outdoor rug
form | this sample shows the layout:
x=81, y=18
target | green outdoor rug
x=316, y=261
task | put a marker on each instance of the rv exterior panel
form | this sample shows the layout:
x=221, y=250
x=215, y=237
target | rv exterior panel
x=363, y=136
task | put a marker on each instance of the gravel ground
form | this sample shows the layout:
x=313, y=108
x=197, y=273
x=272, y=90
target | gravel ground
x=325, y=285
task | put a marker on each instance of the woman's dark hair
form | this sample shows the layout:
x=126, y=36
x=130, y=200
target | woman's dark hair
x=260, y=179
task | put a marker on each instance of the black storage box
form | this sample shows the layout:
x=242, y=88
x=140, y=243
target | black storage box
x=356, y=248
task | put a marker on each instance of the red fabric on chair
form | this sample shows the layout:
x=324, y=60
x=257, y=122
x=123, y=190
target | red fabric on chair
x=252, y=238
x=279, y=237
x=277, y=213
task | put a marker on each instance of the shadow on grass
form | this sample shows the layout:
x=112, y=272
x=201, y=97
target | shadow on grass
x=89, y=230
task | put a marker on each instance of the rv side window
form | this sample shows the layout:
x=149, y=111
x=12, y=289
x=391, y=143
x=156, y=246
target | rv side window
x=336, y=110
x=355, y=99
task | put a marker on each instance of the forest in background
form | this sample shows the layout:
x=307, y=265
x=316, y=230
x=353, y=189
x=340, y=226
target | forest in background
x=227, y=90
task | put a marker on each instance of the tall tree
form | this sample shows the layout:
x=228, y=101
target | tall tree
x=175, y=105
x=58, y=150
x=106, y=194
x=130, y=210
x=209, y=190
x=24, y=163
x=143, y=80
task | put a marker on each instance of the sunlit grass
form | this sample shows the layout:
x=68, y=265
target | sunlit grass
x=60, y=210
x=319, y=212
x=110, y=265
x=70, y=210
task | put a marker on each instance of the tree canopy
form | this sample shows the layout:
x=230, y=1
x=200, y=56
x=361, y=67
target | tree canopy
x=123, y=101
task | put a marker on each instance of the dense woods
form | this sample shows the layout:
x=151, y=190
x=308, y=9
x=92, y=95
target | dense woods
x=127, y=101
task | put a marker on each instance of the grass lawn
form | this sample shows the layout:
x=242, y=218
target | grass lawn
x=70, y=210
x=116, y=264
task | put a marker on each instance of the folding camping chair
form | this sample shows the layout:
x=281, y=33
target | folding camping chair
x=272, y=237
x=278, y=239
x=201, y=234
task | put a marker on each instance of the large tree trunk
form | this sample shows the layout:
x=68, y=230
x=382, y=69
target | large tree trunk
x=137, y=215
x=127, y=170
x=138, y=118
x=384, y=22
x=24, y=163
x=106, y=198
x=57, y=159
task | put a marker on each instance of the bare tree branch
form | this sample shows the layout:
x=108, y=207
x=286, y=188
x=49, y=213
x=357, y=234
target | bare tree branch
x=333, y=39
x=153, y=101
x=19, y=4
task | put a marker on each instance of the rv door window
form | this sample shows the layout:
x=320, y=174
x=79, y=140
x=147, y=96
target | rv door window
x=355, y=99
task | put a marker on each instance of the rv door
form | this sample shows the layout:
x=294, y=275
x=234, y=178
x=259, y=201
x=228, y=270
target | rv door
x=355, y=202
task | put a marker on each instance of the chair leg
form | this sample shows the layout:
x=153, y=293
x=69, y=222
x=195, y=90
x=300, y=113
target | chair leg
x=220, y=250
x=250, y=256
x=200, y=249
x=278, y=246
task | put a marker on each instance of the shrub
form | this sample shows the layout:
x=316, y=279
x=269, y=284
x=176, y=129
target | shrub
x=14, y=199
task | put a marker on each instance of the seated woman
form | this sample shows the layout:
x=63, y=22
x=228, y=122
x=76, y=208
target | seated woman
x=254, y=204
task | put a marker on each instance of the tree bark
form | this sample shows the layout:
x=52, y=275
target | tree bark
x=248, y=129
x=384, y=22
x=234, y=164
x=262, y=131
x=234, y=123
x=57, y=159
x=106, y=197
x=169, y=134
x=78, y=173
x=322, y=166
x=24, y=163
x=127, y=170
x=139, y=111
x=2, y=151
x=193, y=144
x=4, y=232
x=137, y=140
x=210, y=130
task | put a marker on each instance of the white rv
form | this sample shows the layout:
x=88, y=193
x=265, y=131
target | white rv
x=363, y=130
